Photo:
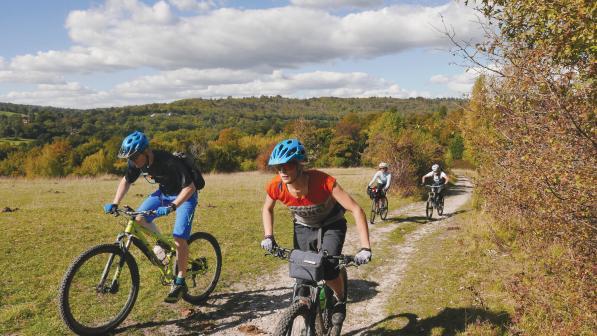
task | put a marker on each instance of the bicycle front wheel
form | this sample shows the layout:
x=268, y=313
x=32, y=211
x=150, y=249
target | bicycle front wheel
x=294, y=321
x=383, y=211
x=373, y=211
x=440, y=207
x=429, y=209
x=99, y=290
x=204, y=267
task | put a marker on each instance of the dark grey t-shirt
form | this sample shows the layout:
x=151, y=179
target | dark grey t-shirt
x=171, y=174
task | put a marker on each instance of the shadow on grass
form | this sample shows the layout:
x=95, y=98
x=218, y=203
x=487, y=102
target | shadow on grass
x=411, y=219
x=237, y=308
x=450, y=321
x=361, y=290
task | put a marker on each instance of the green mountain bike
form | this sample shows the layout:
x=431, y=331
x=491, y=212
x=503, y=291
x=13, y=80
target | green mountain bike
x=100, y=287
x=310, y=313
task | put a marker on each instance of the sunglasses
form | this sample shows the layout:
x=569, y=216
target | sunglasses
x=134, y=157
x=285, y=167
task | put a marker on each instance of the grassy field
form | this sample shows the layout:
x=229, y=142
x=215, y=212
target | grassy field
x=8, y=114
x=14, y=141
x=58, y=219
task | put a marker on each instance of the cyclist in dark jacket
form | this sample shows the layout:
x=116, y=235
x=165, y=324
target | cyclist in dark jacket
x=176, y=193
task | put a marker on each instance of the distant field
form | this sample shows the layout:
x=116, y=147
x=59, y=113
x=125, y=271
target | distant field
x=8, y=114
x=58, y=219
x=15, y=141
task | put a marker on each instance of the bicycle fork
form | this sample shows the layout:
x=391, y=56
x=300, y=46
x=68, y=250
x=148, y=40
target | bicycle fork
x=113, y=288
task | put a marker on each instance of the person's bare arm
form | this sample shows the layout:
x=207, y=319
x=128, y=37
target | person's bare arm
x=267, y=215
x=357, y=212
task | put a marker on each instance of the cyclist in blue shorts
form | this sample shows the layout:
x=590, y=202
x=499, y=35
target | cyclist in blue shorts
x=176, y=193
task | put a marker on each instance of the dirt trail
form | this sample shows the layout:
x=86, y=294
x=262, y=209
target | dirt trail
x=253, y=309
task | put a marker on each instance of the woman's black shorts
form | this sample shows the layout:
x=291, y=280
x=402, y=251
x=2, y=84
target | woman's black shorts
x=333, y=235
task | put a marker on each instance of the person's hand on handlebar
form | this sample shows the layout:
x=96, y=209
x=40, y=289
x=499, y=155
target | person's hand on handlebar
x=363, y=256
x=268, y=243
x=110, y=208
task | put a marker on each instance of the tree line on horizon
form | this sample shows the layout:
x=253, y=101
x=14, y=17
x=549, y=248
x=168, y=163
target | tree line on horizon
x=228, y=135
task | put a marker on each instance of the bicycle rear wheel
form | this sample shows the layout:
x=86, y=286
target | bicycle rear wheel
x=440, y=207
x=373, y=211
x=294, y=321
x=327, y=326
x=92, y=299
x=205, y=265
x=383, y=210
x=429, y=209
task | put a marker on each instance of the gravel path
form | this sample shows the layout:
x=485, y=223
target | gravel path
x=253, y=309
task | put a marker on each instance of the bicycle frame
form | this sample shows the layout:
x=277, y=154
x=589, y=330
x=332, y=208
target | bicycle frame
x=433, y=194
x=136, y=234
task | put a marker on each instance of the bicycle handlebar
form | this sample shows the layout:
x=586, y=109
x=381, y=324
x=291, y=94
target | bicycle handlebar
x=128, y=211
x=284, y=253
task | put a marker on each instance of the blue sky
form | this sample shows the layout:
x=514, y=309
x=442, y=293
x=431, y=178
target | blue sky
x=100, y=53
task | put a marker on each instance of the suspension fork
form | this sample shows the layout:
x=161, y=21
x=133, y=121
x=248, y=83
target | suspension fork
x=124, y=246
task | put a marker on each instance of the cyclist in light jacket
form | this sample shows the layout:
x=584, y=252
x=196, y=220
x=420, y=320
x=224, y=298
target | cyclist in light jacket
x=382, y=178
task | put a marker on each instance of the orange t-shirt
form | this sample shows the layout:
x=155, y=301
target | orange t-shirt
x=317, y=208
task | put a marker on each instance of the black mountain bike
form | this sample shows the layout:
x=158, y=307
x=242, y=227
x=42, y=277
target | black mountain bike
x=379, y=204
x=311, y=312
x=434, y=201
x=100, y=287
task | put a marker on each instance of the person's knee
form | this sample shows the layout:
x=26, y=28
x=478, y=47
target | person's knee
x=179, y=241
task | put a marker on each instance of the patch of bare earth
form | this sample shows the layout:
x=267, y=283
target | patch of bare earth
x=254, y=308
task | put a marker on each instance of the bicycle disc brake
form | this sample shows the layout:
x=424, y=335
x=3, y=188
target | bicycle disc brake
x=198, y=266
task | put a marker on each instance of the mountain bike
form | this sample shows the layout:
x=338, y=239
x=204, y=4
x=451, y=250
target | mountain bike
x=434, y=201
x=100, y=287
x=312, y=305
x=379, y=204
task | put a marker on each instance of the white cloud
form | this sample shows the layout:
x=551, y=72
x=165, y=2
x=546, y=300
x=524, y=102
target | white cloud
x=215, y=83
x=230, y=52
x=193, y=5
x=439, y=79
x=335, y=4
x=460, y=84
x=130, y=34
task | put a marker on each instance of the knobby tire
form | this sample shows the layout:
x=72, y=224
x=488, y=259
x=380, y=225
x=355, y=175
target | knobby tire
x=429, y=209
x=373, y=211
x=383, y=212
x=205, y=255
x=66, y=301
x=296, y=310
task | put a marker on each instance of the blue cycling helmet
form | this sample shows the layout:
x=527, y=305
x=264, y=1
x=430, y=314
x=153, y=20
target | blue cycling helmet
x=287, y=150
x=135, y=142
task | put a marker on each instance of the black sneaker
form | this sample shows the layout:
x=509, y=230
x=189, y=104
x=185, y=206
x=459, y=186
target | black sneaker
x=176, y=292
x=338, y=313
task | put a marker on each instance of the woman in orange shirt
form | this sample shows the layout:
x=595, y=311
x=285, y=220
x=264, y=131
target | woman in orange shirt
x=316, y=201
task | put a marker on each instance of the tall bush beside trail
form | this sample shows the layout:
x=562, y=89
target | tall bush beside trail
x=537, y=166
x=409, y=153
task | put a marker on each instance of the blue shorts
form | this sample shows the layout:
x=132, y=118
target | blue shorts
x=184, y=212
